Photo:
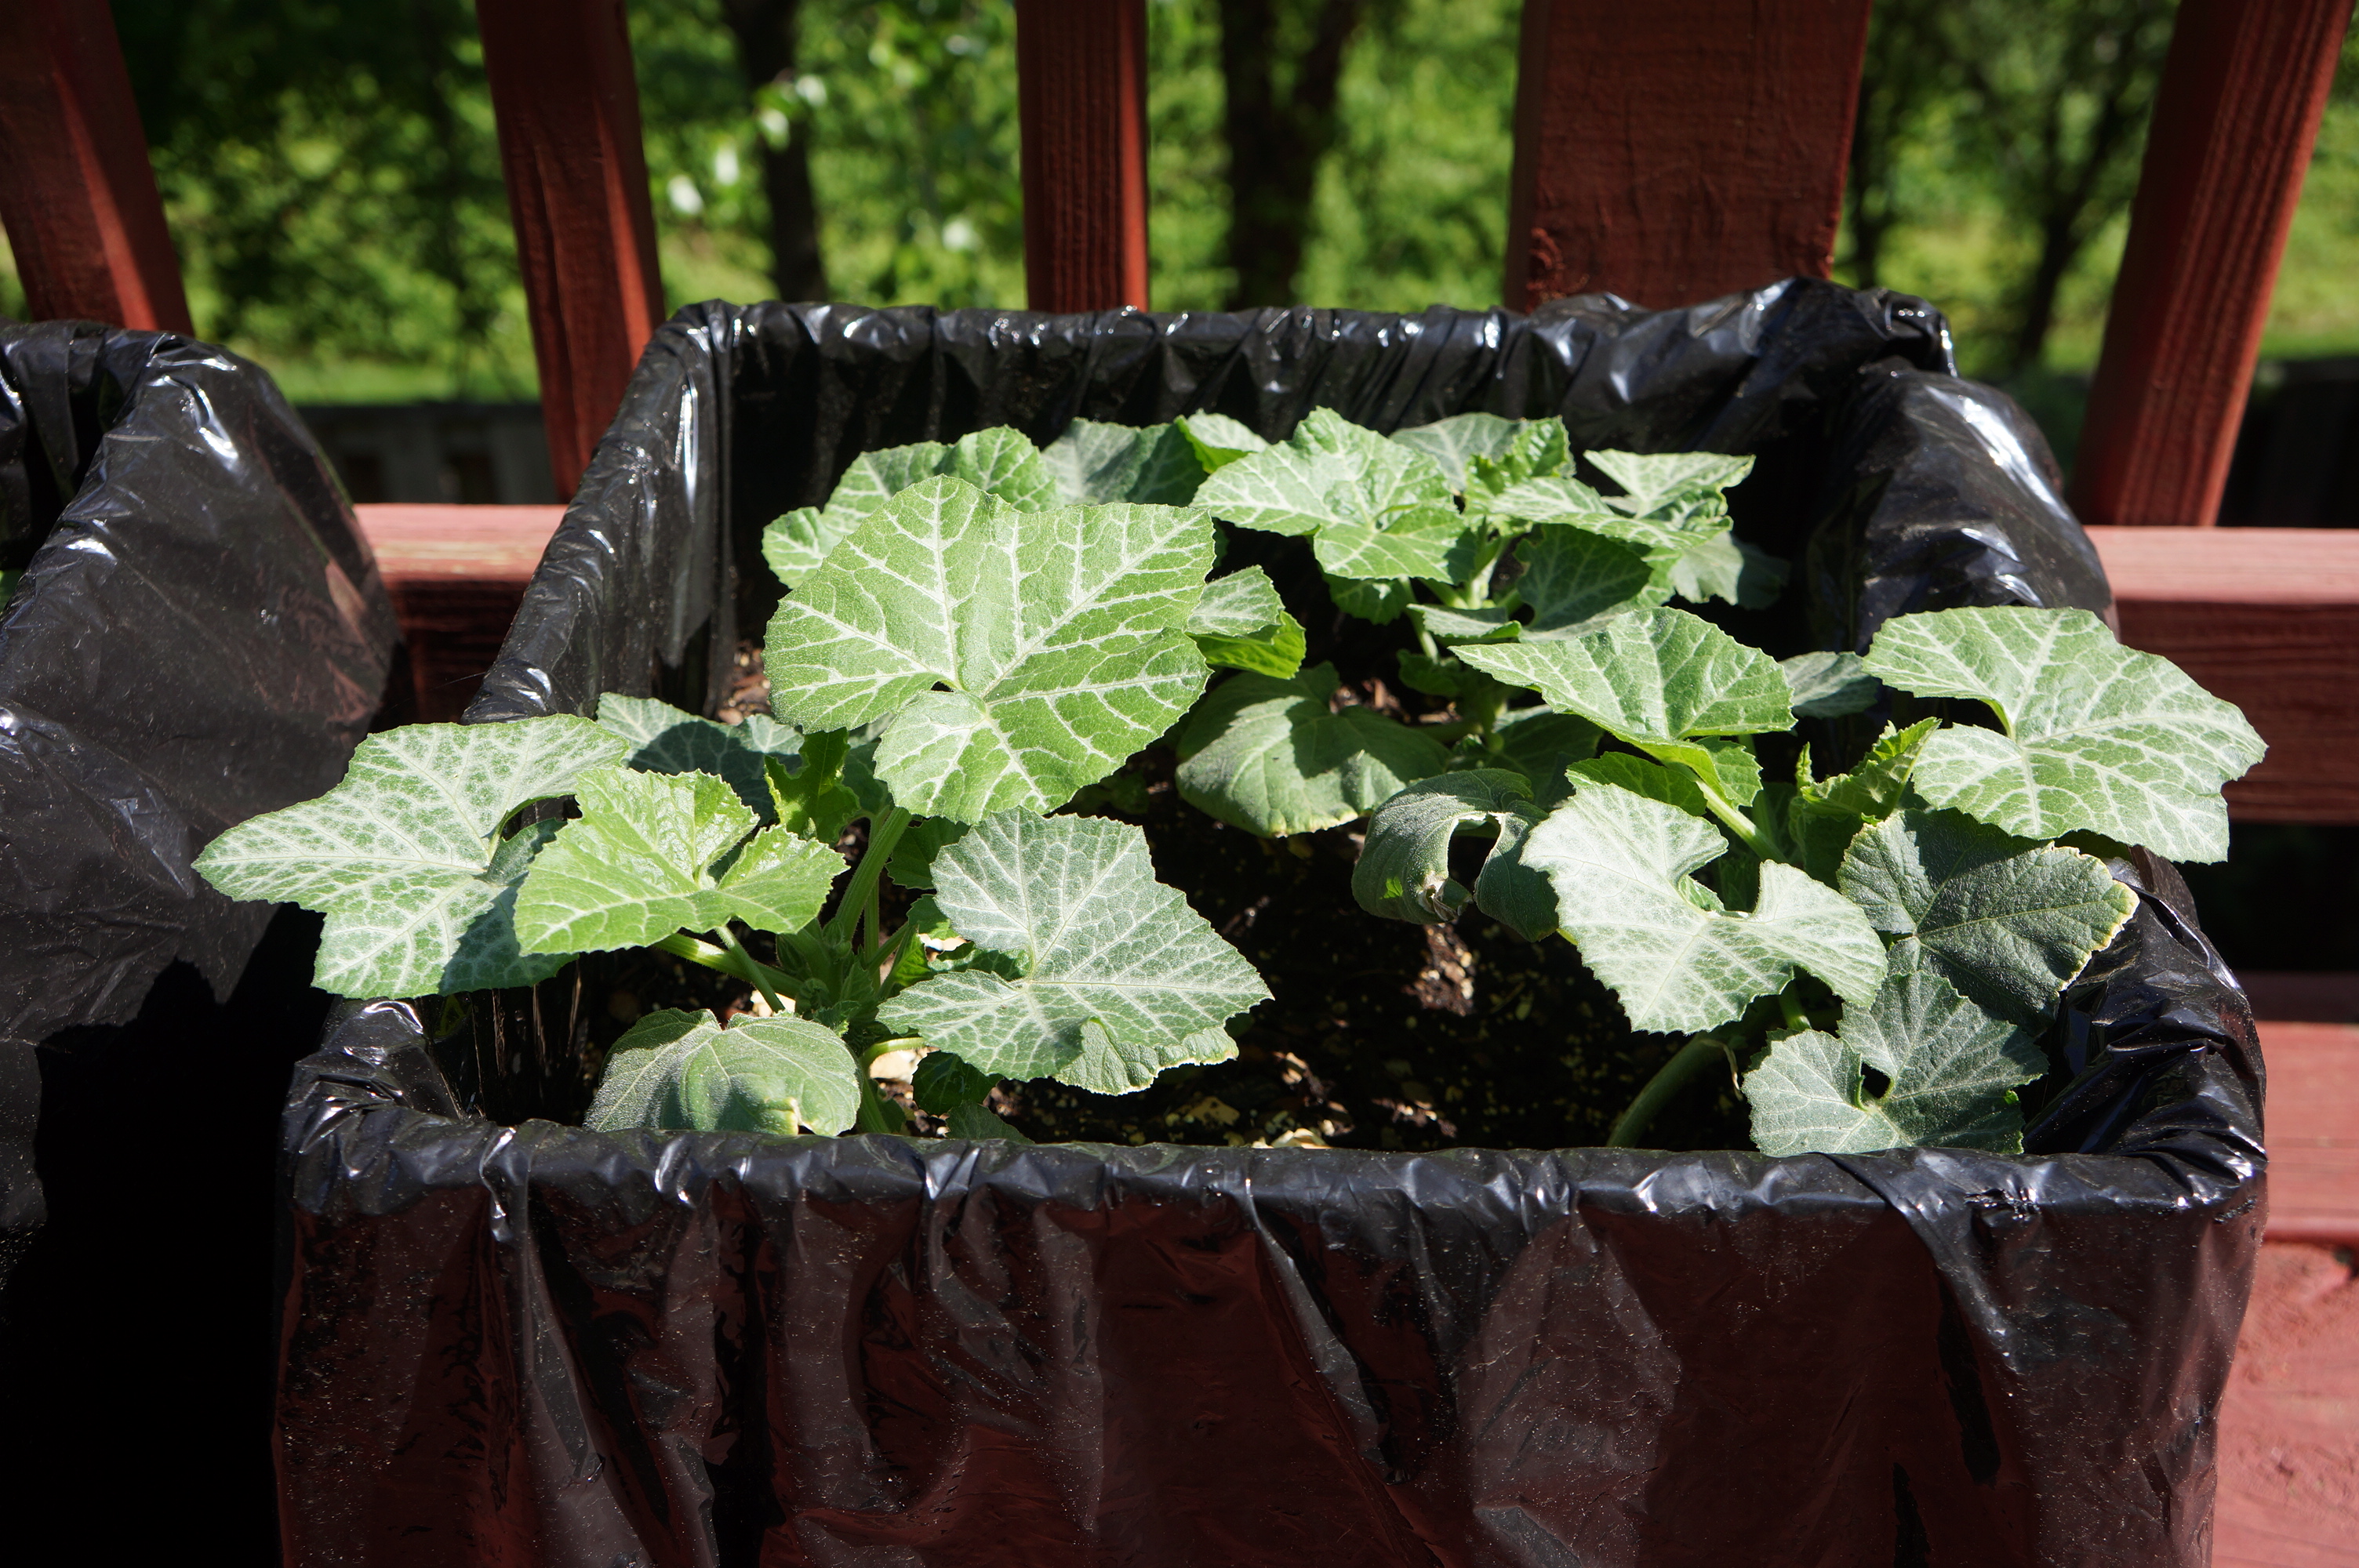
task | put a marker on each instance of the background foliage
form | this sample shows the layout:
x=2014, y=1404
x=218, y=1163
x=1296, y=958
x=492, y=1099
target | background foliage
x=332, y=178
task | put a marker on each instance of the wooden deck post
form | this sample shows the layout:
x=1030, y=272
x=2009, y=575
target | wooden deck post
x=568, y=109
x=2234, y=122
x=1677, y=150
x=1081, y=103
x=77, y=192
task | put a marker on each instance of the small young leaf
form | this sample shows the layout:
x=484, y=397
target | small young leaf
x=1219, y=440
x=1379, y=603
x=1001, y=462
x=1573, y=579
x=1120, y=978
x=1242, y=623
x=403, y=856
x=912, y=865
x=2006, y=920
x=676, y=1071
x=655, y=853
x=1652, y=480
x=1059, y=635
x=1828, y=686
x=1373, y=508
x=1266, y=755
x=1643, y=777
x=1620, y=864
x=1513, y=449
x=2097, y=737
x=1094, y=463
x=1655, y=679
x=944, y=1080
x=1825, y=816
x=815, y=800
x=1404, y=869
x=1953, y=1069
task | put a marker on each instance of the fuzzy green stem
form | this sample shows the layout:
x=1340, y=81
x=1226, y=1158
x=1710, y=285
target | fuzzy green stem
x=737, y=962
x=1425, y=641
x=1795, y=1017
x=1738, y=822
x=752, y=970
x=884, y=832
x=1668, y=1082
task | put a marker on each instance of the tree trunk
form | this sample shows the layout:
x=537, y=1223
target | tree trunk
x=766, y=52
x=1276, y=136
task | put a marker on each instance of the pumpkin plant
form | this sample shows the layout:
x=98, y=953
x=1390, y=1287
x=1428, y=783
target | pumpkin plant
x=978, y=634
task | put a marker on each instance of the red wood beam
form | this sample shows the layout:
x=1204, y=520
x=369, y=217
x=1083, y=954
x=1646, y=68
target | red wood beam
x=568, y=109
x=455, y=575
x=77, y=192
x=2234, y=117
x=1081, y=72
x=1677, y=150
x=2267, y=617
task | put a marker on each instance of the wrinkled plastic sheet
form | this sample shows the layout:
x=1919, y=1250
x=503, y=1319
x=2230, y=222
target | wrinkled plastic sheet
x=200, y=636
x=534, y=1343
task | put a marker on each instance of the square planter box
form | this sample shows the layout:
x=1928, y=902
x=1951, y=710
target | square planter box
x=514, y=1341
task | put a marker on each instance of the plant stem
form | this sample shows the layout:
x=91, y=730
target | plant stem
x=884, y=832
x=753, y=970
x=739, y=963
x=1795, y=1017
x=1738, y=823
x=1425, y=641
x=1668, y=1081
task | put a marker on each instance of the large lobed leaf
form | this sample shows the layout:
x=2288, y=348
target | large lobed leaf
x=1952, y=1070
x=1373, y=508
x=1620, y=864
x=667, y=740
x=1093, y=463
x=652, y=854
x=1120, y=980
x=404, y=858
x=1483, y=453
x=1574, y=580
x=676, y=1071
x=1001, y=462
x=2006, y=920
x=1059, y=637
x=2096, y=737
x=1268, y=756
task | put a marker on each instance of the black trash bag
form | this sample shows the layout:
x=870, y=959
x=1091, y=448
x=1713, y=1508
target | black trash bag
x=534, y=1342
x=199, y=635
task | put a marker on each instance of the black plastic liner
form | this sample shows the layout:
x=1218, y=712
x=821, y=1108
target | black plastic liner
x=200, y=636
x=533, y=1343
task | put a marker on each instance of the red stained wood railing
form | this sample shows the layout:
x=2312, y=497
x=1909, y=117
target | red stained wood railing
x=2234, y=122
x=1082, y=106
x=456, y=575
x=77, y=192
x=568, y=109
x=1677, y=150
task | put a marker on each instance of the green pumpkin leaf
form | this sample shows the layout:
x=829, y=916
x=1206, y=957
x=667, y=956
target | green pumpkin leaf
x=1120, y=978
x=1574, y=580
x=2006, y=920
x=1219, y=440
x=1952, y=1069
x=1828, y=686
x=944, y=1080
x=1371, y=507
x=1404, y=868
x=1721, y=566
x=1378, y=604
x=1095, y=463
x=1485, y=625
x=404, y=856
x=2097, y=738
x=1547, y=498
x=1643, y=777
x=678, y=1072
x=1001, y=462
x=912, y=865
x=1657, y=679
x=1242, y=623
x=974, y=1122
x=820, y=797
x=1825, y=815
x=1621, y=865
x=1268, y=756
x=1653, y=480
x=669, y=740
x=1508, y=450
x=1540, y=744
x=655, y=853
x=1059, y=635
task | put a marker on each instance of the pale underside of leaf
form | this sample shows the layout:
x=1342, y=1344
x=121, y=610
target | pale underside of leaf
x=1404, y=868
x=401, y=858
x=1093, y=463
x=1121, y=980
x=1241, y=622
x=1620, y=864
x=1268, y=756
x=1059, y=636
x=2006, y=920
x=1219, y=440
x=677, y=1071
x=1952, y=1068
x=2100, y=738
